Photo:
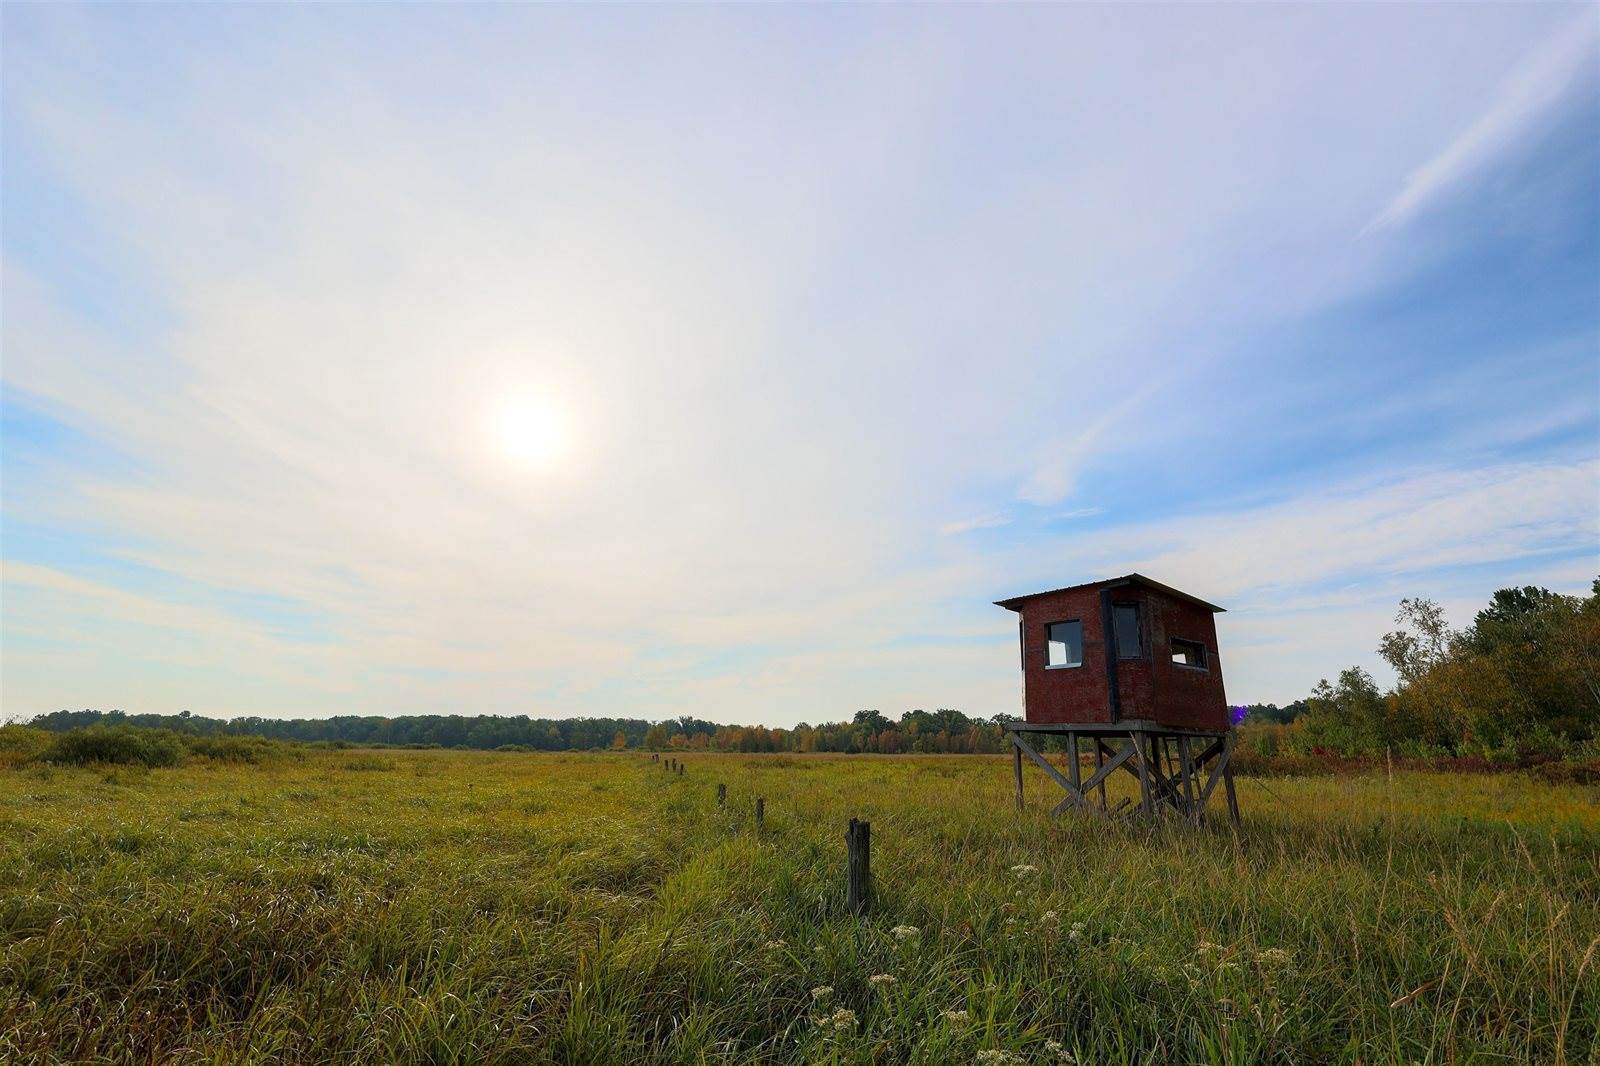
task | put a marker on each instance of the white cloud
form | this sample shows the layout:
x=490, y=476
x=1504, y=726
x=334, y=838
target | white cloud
x=1532, y=90
x=1311, y=582
x=993, y=520
x=796, y=323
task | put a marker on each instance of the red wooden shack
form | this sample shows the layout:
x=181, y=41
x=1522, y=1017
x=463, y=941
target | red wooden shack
x=1126, y=649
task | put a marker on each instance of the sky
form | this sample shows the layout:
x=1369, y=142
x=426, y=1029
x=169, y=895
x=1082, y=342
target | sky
x=730, y=361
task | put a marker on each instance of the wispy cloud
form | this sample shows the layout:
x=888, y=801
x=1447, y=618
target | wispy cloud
x=993, y=520
x=807, y=340
x=1533, y=89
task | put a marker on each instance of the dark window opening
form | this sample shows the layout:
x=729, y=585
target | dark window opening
x=1064, y=644
x=1189, y=653
x=1125, y=623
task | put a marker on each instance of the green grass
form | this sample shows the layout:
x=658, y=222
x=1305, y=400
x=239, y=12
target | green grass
x=486, y=907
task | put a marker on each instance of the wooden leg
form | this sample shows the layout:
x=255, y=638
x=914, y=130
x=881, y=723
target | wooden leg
x=1145, y=784
x=1016, y=768
x=1227, y=783
x=1074, y=771
x=1186, y=761
x=1099, y=764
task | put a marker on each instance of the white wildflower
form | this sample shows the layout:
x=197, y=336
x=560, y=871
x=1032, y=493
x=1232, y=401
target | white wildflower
x=904, y=932
x=1022, y=869
x=956, y=1017
x=1272, y=955
x=1206, y=947
x=776, y=945
x=840, y=1020
x=822, y=992
x=881, y=979
x=1075, y=933
x=1000, y=1058
x=1057, y=1051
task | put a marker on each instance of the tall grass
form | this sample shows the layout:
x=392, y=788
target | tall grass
x=477, y=907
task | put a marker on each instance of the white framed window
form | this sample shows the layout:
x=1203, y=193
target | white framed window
x=1063, y=644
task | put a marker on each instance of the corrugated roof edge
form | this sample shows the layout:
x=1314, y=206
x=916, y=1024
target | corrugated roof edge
x=1127, y=579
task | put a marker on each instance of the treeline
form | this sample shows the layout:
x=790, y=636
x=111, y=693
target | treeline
x=937, y=731
x=1522, y=681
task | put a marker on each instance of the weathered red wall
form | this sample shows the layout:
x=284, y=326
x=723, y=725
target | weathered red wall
x=1152, y=688
x=1067, y=695
x=1185, y=696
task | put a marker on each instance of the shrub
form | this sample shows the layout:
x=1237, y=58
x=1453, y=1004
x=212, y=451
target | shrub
x=368, y=762
x=239, y=749
x=118, y=744
x=20, y=744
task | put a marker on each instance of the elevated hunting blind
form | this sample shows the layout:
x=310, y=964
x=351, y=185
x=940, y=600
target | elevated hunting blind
x=1129, y=666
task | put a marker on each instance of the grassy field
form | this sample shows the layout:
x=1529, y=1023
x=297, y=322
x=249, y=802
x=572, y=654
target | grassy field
x=473, y=907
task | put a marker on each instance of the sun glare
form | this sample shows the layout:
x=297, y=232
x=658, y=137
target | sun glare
x=530, y=431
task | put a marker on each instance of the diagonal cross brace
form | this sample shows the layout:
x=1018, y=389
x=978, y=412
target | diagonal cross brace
x=1044, y=764
x=1099, y=775
x=1216, y=775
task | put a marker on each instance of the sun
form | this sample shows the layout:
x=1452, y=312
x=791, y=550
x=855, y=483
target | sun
x=530, y=431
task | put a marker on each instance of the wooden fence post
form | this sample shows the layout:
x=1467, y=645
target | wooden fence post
x=680, y=769
x=761, y=811
x=722, y=794
x=858, y=887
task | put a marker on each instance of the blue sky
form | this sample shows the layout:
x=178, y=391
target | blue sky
x=730, y=361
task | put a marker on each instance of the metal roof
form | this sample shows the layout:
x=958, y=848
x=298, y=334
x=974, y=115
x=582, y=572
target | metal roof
x=1015, y=602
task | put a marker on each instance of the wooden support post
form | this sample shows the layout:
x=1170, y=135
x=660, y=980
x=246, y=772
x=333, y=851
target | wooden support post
x=1186, y=759
x=1146, y=786
x=1227, y=781
x=1016, y=768
x=1074, y=771
x=1099, y=764
x=680, y=769
x=722, y=794
x=858, y=883
x=761, y=812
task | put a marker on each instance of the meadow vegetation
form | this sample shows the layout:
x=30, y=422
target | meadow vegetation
x=305, y=905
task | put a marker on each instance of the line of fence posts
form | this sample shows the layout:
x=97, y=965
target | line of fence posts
x=857, y=839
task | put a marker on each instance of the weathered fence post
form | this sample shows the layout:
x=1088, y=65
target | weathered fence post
x=858, y=887
x=722, y=794
x=680, y=769
x=761, y=811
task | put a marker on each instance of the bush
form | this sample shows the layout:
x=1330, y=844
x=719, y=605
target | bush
x=20, y=744
x=368, y=762
x=118, y=744
x=239, y=749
